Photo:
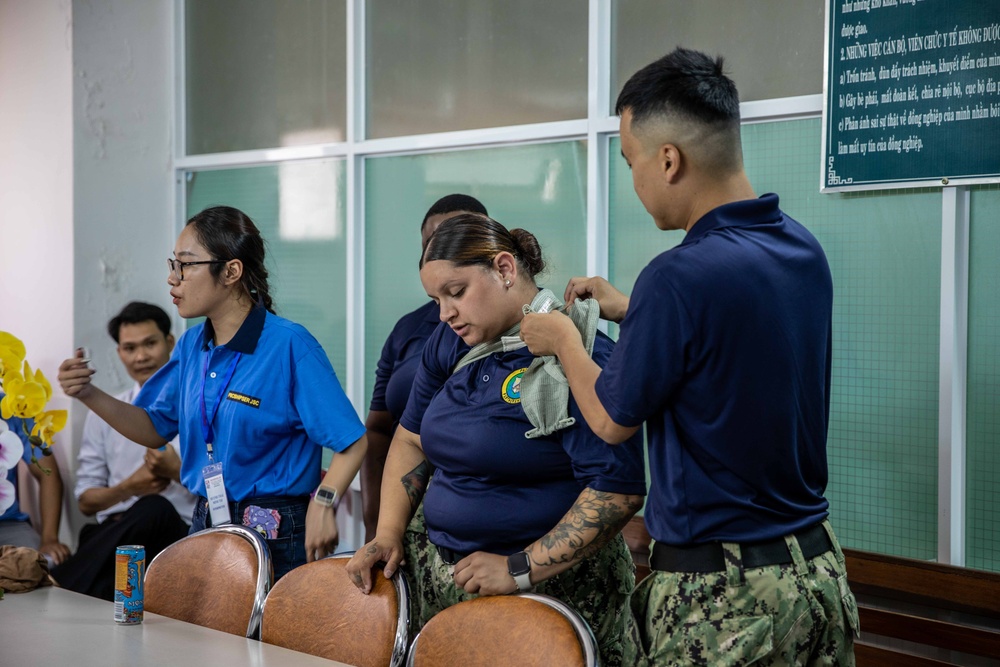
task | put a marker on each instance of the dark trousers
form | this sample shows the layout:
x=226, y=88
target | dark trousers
x=152, y=522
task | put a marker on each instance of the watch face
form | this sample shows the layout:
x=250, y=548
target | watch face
x=518, y=563
x=325, y=496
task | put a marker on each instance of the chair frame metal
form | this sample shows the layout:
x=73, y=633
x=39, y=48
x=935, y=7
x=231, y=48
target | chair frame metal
x=401, y=643
x=265, y=570
x=583, y=632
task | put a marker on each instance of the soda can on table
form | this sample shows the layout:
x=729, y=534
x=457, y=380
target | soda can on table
x=130, y=567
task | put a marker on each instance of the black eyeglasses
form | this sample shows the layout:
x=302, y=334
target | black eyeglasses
x=177, y=266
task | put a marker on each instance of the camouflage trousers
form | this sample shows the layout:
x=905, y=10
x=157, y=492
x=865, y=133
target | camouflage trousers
x=416, y=546
x=802, y=613
x=598, y=588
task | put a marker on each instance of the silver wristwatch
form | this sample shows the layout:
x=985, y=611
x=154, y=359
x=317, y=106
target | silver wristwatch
x=327, y=497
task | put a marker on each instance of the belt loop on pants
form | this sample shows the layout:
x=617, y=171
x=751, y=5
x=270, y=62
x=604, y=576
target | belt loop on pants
x=732, y=555
x=798, y=558
x=711, y=557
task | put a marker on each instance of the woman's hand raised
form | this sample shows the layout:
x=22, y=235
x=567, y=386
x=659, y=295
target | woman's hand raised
x=74, y=376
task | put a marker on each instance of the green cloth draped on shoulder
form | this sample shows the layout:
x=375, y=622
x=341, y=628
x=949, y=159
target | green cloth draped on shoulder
x=544, y=388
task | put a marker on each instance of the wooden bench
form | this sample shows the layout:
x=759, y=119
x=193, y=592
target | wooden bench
x=924, y=614
x=913, y=613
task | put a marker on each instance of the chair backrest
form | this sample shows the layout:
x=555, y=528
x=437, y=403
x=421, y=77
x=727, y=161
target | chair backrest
x=217, y=578
x=317, y=609
x=526, y=630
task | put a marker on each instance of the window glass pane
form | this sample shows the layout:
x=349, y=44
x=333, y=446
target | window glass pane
x=884, y=250
x=264, y=73
x=443, y=65
x=540, y=188
x=765, y=59
x=299, y=208
x=983, y=416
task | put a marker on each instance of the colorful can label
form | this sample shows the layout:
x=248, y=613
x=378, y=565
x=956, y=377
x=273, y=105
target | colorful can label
x=130, y=567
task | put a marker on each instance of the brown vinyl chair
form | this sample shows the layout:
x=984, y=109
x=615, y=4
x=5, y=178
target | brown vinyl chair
x=217, y=578
x=528, y=630
x=317, y=609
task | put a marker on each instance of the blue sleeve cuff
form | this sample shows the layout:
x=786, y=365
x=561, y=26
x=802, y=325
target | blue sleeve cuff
x=349, y=439
x=164, y=428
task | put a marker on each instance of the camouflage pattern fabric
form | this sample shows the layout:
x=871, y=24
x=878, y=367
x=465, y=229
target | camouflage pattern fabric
x=598, y=588
x=416, y=544
x=802, y=613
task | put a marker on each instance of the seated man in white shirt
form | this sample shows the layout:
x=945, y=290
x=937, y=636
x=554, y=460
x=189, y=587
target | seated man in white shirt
x=134, y=491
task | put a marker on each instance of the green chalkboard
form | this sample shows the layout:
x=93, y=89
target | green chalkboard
x=912, y=93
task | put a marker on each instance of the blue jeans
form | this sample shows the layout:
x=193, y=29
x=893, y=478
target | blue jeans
x=288, y=550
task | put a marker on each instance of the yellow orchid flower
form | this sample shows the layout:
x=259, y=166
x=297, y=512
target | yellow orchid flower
x=24, y=398
x=24, y=393
x=11, y=352
x=40, y=379
x=48, y=423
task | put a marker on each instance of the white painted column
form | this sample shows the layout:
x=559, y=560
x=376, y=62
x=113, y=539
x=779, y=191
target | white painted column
x=953, y=374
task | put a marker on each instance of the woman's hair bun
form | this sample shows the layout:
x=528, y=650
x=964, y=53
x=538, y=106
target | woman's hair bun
x=528, y=251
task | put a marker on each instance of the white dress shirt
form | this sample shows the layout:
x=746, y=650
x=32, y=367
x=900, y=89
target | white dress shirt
x=107, y=457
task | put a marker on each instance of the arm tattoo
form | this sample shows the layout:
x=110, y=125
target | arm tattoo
x=415, y=483
x=593, y=521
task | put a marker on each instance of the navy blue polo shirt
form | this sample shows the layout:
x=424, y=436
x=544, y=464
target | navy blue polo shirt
x=493, y=489
x=281, y=406
x=400, y=359
x=725, y=354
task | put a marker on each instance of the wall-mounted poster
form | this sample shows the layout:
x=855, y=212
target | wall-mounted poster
x=912, y=93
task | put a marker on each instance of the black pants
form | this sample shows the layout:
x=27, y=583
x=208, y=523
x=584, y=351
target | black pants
x=152, y=522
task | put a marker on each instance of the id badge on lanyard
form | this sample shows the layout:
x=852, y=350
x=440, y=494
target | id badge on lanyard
x=215, y=484
x=215, y=491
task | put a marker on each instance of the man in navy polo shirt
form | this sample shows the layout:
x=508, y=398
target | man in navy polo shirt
x=724, y=353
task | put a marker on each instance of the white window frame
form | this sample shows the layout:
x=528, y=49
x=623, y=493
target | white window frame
x=597, y=129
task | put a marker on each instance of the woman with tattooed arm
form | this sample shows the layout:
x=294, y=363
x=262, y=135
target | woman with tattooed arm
x=505, y=513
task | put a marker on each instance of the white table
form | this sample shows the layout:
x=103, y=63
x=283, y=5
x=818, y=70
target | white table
x=53, y=626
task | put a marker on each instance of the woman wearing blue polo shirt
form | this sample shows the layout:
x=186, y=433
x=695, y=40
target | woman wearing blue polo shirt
x=505, y=513
x=252, y=395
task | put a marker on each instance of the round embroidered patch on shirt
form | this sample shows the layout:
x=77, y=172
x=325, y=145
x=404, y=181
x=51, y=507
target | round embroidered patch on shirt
x=511, y=390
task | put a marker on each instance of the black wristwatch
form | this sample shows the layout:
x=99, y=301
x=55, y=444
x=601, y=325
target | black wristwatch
x=519, y=567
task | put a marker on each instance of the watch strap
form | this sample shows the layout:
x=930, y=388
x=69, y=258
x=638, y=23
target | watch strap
x=519, y=567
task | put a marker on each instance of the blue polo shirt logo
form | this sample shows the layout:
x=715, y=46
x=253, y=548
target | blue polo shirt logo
x=511, y=390
x=244, y=399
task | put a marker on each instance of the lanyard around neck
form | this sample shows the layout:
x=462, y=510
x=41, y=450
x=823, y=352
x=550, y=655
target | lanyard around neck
x=206, y=419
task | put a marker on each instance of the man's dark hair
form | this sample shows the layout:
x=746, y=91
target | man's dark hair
x=684, y=82
x=137, y=312
x=454, y=204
